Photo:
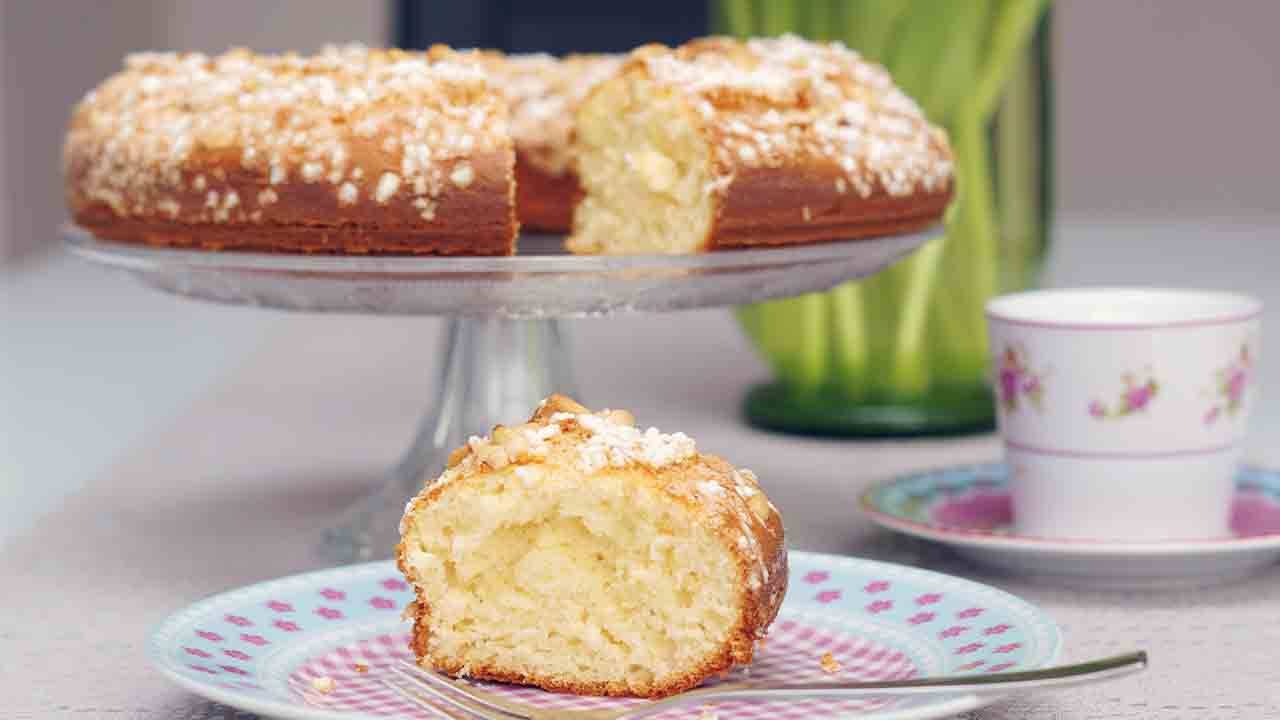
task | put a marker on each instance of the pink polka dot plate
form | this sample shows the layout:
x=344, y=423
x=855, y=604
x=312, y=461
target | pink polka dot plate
x=314, y=646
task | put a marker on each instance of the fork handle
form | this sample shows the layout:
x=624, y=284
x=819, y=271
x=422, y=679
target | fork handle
x=1059, y=676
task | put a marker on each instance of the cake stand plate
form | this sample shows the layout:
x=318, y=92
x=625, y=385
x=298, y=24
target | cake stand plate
x=505, y=346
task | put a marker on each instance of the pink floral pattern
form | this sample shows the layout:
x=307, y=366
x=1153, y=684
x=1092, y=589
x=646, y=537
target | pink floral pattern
x=329, y=613
x=1136, y=397
x=395, y=584
x=1015, y=382
x=1230, y=385
x=879, y=606
x=236, y=660
x=999, y=667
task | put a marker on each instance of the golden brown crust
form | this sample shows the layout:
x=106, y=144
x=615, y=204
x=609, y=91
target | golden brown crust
x=808, y=141
x=738, y=512
x=351, y=150
x=764, y=208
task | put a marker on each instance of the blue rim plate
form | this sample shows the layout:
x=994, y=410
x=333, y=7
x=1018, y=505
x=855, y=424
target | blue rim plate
x=260, y=648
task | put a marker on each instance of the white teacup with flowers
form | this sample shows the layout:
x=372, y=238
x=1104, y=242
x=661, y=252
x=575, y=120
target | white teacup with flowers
x=1123, y=410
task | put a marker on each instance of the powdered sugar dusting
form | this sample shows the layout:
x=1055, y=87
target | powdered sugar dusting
x=824, y=101
x=614, y=444
x=713, y=489
x=140, y=138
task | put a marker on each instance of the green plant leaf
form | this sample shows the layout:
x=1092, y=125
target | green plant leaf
x=737, y=17
x=869, y=25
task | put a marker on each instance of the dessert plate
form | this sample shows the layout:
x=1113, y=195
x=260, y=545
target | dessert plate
x=265, y=648
x=968, y=508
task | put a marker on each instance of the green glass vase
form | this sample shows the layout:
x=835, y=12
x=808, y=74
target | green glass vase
x=905, y=352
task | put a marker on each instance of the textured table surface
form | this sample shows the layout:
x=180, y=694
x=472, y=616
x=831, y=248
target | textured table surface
x=210, y=449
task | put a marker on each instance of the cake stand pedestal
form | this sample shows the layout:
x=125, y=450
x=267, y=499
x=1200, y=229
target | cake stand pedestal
x=505, y=350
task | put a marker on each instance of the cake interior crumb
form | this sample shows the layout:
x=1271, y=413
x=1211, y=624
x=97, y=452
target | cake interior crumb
x=556, y=575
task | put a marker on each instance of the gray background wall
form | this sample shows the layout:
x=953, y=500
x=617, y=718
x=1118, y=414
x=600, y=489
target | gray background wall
x=1169, y=108
x=1165, y=108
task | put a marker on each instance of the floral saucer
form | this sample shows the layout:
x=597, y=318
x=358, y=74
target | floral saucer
x=968, y=508
x=316, y=646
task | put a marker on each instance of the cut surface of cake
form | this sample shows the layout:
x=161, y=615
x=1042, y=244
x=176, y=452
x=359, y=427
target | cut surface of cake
x=581, y=554
x=725, y=143
x=351, y=150
x=543, y=93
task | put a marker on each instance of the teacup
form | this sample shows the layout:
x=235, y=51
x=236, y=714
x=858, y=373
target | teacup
x=1123, y=410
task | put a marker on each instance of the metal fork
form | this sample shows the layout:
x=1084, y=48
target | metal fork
x=430, y=689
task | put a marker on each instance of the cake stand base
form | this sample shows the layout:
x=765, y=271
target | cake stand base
x=777, y=407
x=496, y=371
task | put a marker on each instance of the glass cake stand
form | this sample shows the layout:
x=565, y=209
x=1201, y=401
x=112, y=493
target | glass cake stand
x=505, y=349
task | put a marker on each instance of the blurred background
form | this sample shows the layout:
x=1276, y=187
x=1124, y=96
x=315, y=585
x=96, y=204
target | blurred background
x=1163, y=108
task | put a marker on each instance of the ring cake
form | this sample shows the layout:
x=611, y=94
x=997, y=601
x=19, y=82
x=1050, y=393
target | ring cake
x=350, y=151
x=578, y=553
x=717, y=144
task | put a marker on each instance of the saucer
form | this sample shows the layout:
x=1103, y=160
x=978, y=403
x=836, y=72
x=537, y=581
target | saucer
x=968, y=508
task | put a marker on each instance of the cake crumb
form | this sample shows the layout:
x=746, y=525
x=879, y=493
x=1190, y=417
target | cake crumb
x=830, y=665
x=708, y=715
x=360, y=668
x=323, y=685
x=411, y=609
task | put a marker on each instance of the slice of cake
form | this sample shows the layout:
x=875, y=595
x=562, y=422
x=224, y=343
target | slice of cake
x=351, y=150
x=725, y=143
x=579, y=553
